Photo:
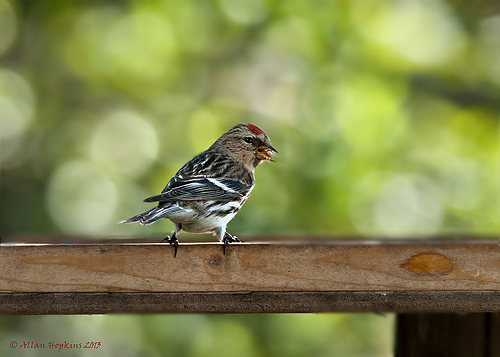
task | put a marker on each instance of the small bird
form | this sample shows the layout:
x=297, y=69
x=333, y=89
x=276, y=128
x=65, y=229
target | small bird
x=208, y=191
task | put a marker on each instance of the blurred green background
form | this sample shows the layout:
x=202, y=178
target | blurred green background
x=385, y=113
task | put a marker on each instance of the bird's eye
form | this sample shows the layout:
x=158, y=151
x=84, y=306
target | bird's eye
x=248, y=139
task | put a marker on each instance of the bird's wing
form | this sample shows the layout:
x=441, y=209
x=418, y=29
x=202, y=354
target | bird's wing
x=201, y=189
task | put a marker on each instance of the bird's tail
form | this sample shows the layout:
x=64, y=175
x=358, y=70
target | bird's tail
x=137, y=218
x=150, y=216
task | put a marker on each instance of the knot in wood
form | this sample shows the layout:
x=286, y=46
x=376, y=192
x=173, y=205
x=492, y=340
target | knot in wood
x=216, y=267
x=428, y=263
x=214, y=261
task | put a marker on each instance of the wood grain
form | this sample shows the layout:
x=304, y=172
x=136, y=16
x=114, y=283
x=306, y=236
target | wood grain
x=329, y=266
x=251, y=302
x=292, y=277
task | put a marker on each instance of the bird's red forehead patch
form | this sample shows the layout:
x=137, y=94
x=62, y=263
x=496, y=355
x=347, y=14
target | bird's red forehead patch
x=255, y=129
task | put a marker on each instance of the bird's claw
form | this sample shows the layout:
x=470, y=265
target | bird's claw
x=172, y=241
x=229, y=239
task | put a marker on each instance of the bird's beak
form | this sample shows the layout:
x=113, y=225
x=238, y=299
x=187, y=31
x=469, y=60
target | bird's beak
x=266, y=152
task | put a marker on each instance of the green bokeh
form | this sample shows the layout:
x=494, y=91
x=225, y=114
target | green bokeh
x=385, y=114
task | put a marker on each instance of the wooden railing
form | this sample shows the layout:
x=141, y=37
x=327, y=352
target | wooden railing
x=446, y=276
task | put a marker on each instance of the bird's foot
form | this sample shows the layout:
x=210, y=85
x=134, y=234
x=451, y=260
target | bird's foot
x=229, y=239
x=172, y=241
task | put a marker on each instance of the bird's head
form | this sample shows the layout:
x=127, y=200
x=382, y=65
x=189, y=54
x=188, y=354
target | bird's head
x=247, y=143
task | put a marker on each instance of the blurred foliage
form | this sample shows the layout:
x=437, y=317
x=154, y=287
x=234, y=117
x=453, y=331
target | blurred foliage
x=385, y=114
x=204, y=335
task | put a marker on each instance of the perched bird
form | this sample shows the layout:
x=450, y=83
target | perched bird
x=208, y=191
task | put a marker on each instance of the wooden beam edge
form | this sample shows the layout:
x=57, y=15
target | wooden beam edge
x=491, y=241
x=250, y=302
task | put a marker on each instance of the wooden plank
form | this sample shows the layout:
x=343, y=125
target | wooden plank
x=326, y=266
x=436, y=335
x=253, y=302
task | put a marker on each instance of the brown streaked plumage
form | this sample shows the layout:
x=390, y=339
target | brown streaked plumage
x=208, y=191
